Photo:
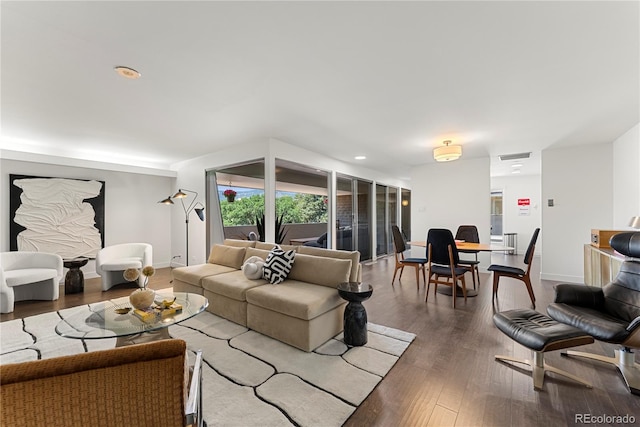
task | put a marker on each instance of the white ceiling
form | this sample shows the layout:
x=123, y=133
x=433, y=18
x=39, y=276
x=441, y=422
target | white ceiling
x=389, y=80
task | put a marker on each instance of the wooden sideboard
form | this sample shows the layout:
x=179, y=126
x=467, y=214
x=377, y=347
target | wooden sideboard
x=601, y=265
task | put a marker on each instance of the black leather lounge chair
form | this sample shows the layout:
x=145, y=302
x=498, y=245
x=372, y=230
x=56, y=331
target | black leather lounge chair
x=611, y=313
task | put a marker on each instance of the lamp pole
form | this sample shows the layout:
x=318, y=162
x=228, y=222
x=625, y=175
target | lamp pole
x=181, y=194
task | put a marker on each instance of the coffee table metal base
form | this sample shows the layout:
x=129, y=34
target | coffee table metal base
x=144, y=337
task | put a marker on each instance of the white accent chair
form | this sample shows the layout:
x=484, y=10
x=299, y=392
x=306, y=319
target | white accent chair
x=113, y=260
x=28, y=276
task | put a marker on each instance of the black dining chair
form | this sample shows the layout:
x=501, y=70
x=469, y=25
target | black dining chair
x=443, y=262
x=402, y=262
x=469, y=233
x=517, y=273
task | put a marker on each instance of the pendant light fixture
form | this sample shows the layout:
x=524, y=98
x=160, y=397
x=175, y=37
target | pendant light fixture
x=448, y=152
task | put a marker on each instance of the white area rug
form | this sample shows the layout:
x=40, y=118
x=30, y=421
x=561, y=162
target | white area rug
x=249, y=379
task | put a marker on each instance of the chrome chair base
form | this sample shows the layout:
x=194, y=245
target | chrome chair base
x=539, y=367
x=624, y=360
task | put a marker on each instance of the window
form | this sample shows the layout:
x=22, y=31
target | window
x=245, y=183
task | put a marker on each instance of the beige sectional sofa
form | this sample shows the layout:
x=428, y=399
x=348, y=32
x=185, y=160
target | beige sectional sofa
x=303, y=311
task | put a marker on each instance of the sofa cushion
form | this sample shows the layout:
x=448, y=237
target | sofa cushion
x=239, y=243
x=320, y=270
x=29, y=275
x=122, y=264
x=269, y=246
x=193, y=274
x=262, y=253
x=297, y=299
x=354, y=256
x=278, y=265
x=230, y=256
x=232, y=285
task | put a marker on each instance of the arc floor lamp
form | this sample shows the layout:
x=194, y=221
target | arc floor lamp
x=188, y=208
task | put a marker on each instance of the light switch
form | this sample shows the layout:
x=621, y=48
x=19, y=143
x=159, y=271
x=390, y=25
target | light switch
x=550, y=202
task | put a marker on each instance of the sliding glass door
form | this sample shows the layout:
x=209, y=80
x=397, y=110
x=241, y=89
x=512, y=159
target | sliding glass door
x=345, y=214
x=392, y=209
x=363, y=217
x=353, y=228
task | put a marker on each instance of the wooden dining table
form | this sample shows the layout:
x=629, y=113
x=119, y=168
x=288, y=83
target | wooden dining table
x=465, y=247
x=468, y=246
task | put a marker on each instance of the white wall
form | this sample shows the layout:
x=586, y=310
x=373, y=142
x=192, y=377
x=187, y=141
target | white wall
x=191, y=175
x=580, y=181
x=520, y=187
x=132, y=213
x=449, y=194
x=626, y=178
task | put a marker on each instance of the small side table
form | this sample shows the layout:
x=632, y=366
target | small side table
x=355, y=316
x=74, y=279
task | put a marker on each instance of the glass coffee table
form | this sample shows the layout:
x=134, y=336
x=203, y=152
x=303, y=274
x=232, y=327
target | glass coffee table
x=110, y=319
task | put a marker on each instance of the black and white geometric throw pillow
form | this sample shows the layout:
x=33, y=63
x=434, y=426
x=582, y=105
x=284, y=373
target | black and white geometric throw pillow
x=278, y=265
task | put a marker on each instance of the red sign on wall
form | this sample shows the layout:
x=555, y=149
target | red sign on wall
x=523, y=206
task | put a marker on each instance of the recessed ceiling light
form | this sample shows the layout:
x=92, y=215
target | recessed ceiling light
x=516, y=165
x=360, y=157
x=126, y=72
x=516, y=171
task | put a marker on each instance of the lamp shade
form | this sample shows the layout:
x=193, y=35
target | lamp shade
x=167, y=201
x=447, y=153
x=635, y=222
x=180, y=194
x=200, y=213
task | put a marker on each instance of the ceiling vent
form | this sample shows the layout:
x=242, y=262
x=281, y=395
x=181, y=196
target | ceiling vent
x=516, y=156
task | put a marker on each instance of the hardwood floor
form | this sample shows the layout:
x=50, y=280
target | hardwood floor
x=92, y=293
x=448, y=376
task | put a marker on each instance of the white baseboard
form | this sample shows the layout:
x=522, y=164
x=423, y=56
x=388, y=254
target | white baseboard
x=93, y=274
x=562, y=278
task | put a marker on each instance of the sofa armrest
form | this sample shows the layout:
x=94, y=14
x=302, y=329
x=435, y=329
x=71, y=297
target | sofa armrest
x=579, y=295
x=634, y=324
x=359, y=274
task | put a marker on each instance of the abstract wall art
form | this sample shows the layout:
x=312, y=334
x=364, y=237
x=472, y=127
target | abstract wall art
x=56, y=215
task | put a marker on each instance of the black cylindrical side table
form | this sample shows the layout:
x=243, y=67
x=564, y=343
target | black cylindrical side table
x=74, y=279
x=355, y=316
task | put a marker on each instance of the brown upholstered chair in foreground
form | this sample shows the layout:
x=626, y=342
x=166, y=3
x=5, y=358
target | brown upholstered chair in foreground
x=136, y=385
x=402, y=262
x=500, y=271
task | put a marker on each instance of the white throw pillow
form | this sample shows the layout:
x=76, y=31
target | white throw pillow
x=252, y=267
